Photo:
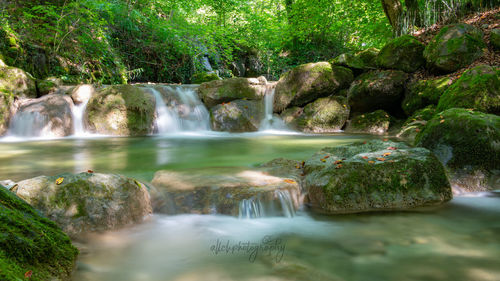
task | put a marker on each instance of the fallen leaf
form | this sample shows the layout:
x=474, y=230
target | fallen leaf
x=364, y=142
x=387, y=154
x=386, y=139
x=327, y=156
x=391, y=148
x=380, y=159
x=59, y=181
x=442, y=121
x=338, y=166
x=337, y=162
x=371, y=162
x=289, y=181
x=90, y=171
x=345, y=106
x=303, y=163
x=28, y=274
x=323, y=160
x=297, y=167
x=246, y=107
x=417, y=130
x=365, y=157
x=441, y=116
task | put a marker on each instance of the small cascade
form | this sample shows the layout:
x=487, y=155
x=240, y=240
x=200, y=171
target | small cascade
x=166, y=121
x=29, y=124
x=270, y=121
x=286, y=203
x=281, y=204
x=251, y=208
x=84, y=94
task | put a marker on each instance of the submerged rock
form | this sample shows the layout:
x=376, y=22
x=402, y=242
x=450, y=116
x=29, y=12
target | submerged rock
x=237, y=116
x=454, y=47
x=403, y=53
x=122, y=110
x=467, y=142
x=374, y=176
x=87, y=202
x=376, y=122
x=30, y=242
x=227, y=90
x=422, y=93
x=16, y=81
x=308, y=82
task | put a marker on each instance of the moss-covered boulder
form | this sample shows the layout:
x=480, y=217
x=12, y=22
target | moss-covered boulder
x=465, y=141
x=17, y=81
x=478, y=88
x=358, y=62
x=121, y=110
x=30, y=243
x=202, y=77
x=87, y=202
x=237, y=116
x=376, y=122
x=308, y=82
x=48, y=85
x=374, y=176
x=380, y=89
x=321, y=116
x=403, y=53
x=454, y=47
x=250, y=193
x=416, y=123
x=495, y=38
x=227, y=90
x=422, y=93
x=48, y=116
x=6, y=101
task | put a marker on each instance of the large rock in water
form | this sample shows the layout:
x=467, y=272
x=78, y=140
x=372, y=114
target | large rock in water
x=227, y=90
x=478, y=88
x=403, y=53
x=16, y=81
x=121, y=110
x=49, y=116
x=454, y=47
x=87, y=202
x=6, y=101
x=416, y=123
x=308, y=82
x=467, y=142
x=376, y=122
x=237, y=116
x=377, y=90
x=251, y=193
x=422, y=93
x=374, y=176
x=31, y=242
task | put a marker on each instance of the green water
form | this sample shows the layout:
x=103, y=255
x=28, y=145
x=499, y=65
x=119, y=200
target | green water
x=457, y=241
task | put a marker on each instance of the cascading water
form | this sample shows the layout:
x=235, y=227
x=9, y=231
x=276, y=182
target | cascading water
x=281, y=204
x=251, y=208
x=29, y=124
x=270, y=121
x=286, y=203
x=166, y=120
x=84, y=93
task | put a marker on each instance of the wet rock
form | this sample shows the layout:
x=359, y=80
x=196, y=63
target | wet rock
x=237, y=116
x=48, y=85
x=403, y=53
x=376, y=122
x=82, y=93
x=6, y=102
x=16, y=81
x=227, y=90
x=422, y=93
x=416, y=123
x=202, y=77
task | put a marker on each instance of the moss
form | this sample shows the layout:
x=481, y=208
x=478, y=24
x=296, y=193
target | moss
x=422, y=93
x=6, y=100
x=494, y=39
x=478, y=88
x=202, y=77
x=403, y=53
x=374, y=122
x=416, y=123
x=227, y=90
x=29, y=241
x=324, y=115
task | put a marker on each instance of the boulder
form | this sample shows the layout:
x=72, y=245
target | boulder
x=48, y=116
x=87, y=202
x=416, y=123
x=29, y=242
x=380, y=89
x=495, y=38
x=17, y=81
x=478, y=88
x=358, y=62
x=121, y=110
x=6, y=101
x=403, y=53
x=466, y=142
x=227, y=90
x=82, y=93
x=308, y=82
x=376, y=122
x=202, y=77
x=422, y=93
x=324, y=115
x=48, y=85
x=250, y=193
x=454, y=47
x=237, y=116
x=374, y=176
x=369, y=57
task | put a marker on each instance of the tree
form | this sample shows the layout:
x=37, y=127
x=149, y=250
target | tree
x=394, y=11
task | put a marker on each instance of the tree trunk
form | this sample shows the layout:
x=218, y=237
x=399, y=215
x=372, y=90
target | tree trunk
x=413, y=12
x=393, y=10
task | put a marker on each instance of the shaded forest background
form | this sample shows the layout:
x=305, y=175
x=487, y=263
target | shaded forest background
x=119, y=41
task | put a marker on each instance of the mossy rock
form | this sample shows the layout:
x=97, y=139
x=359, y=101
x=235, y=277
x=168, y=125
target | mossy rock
x=495, y=38
x=31, y=242
x=374, y=176
x=416, y=123
x=222, y=91
x=376, y=122
x=403, y=53
x=48, y=85
x=202, y=77
x=422, y=93
x=308, y=82
x=358, y=62
x=17, y=81
x=324, y=115
x=369, y=57
x=237, y=116
x=87, y=202
x=454, y=47
x=478, y=88
x=380, y=89
x=123, y=110
x=6, y=101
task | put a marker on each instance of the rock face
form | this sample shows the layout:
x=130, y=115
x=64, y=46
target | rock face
x=466, y=142
x=454, y=47
x=376, y=122
x=495, y=38
x=374, y=176
x=16, y=81
x=224, y=194
x=31, y=242
x=321, y=116
x=237, y=116
x=48, y=86
x=416, y=123
x=82, y=93
x=48, y=116
x=377, y=90
x=477, y=88
x=6, y=101
x=422, y=93
x=308, y=82
x=121, y=110
x=403, y=53
x=227, y=90
x=87, y=202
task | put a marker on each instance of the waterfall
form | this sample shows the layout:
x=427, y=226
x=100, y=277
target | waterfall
x=29, y=124
x=84, y=93
x=251, y=208
x=166, y=120
x=281, y=204
x=270, y=121
x=286, y=203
